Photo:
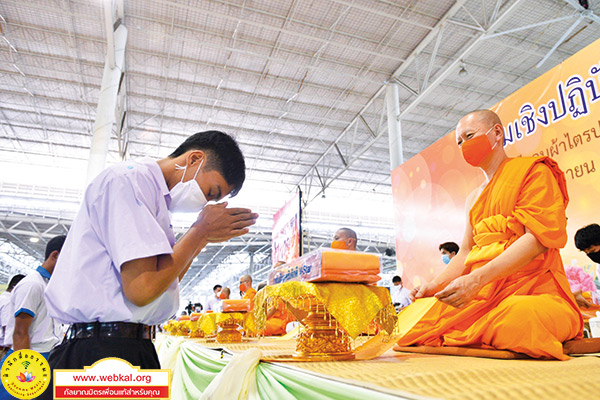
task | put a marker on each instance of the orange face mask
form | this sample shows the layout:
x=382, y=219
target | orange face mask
x=242, y=287
x=222, y=296
x=475, y=150
x=339, y=244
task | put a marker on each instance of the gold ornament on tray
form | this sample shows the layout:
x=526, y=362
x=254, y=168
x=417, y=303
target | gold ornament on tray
x=332, y=315
x=232, y=325
x=321, y=338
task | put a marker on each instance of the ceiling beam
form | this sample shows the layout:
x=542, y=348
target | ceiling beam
x=396, y=74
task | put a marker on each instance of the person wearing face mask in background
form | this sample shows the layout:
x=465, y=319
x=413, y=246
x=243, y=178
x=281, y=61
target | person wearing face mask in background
x=119, y=271
x=213, y=301
x=246, y=289
x=400, y=294
x=448, y=250
x=587, y=239
x=506, y=288
x=225, y=293
x=344, y=239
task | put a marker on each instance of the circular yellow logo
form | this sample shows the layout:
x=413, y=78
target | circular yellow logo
x=25, y=374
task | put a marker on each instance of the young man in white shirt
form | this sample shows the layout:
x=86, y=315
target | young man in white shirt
x=32, y=327
x=400, y=294
x=213, y=302
x=29, y=325
x=118, y=274
x=6, y=311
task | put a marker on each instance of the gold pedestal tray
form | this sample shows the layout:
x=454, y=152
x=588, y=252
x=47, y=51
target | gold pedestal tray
x=197, y=334
x=229, y=332
x=333, y=315
x=321, y=339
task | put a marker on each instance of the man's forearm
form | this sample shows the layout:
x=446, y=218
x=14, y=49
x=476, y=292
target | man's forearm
x=185, y=270
x=513, y=259
x=455, y=268
x=21, y=341
x=184, y=252
x=143, y=282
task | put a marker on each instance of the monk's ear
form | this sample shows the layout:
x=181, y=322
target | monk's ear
x=499, y=131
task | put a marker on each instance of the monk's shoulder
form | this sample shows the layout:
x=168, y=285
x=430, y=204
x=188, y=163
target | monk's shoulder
x=522, y=162
x=527, y=166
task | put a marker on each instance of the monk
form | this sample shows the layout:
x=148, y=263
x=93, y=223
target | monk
x=225, y=293
x=506, y=288
x=278, y=317
x=344, y=239
x=246, y=287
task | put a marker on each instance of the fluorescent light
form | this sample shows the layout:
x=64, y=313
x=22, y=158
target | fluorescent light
x=34, y=239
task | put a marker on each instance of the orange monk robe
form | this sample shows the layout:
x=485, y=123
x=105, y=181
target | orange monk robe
x=277, y=323
x=533, y=310
x=249, y=294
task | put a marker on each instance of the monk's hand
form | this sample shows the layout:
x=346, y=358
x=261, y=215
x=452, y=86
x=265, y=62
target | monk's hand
x=581, y=301
x=460, y=291
x=425, y=290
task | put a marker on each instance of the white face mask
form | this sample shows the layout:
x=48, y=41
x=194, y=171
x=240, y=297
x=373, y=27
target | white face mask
x=187, y=196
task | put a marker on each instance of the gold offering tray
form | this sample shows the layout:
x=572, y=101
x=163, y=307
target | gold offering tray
x=332, y=315
x=321, y=338
x=229, y=332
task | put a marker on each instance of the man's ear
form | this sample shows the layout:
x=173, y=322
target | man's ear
x=499, y=130
x=54, y=255
x=195, y=157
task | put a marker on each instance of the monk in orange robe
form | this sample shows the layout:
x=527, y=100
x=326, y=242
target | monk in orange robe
x=278, y=317
x=246, y=287
x=506, y=288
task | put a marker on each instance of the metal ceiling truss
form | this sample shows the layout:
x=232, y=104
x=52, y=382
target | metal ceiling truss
x=359, y=117
x=331, y=170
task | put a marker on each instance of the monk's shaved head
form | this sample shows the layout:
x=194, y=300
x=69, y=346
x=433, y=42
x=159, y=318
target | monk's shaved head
x=246, y=278
x=345, y=233
x=487, y=117
x=478, y=121
x=348, y=236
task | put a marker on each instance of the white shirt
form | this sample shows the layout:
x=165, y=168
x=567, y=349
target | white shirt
x=400, y=295
x=124, y=216
x=4, y=305
x=28, y=297
x=213, y=303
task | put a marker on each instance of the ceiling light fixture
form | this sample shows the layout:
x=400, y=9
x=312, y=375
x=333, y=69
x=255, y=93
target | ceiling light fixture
x=463, y=70
x=34, y=239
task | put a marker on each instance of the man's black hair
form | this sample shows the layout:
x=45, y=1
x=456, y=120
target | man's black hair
x=227, y=157
x=587, y=237
x=450, y=247
x=217, y=287
x=13, y=281
x=396, y=279
x=55, y=244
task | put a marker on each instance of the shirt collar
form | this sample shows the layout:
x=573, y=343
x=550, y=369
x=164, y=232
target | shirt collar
x=43, y=272
x=158, y=176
